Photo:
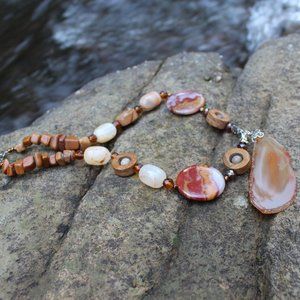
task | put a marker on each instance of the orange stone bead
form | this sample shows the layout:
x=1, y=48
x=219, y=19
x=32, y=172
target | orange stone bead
x=38, y=160
x=61, y=142
x=45, y=139
x=35, y=139
x=54, y=142
x=127, y=117
x=27, y=141
x=45, y=159
x=10, y=170
x=19, y=167
x=52, y=160
x=5, y=165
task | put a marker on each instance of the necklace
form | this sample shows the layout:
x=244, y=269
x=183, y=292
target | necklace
x=272, y=182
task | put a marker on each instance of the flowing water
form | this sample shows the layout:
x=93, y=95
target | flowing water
x=50, y=48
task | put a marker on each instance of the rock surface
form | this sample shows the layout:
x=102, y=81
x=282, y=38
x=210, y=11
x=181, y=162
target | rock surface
x=81, y=232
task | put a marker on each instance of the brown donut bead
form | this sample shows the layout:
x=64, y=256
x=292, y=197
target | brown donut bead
x=19, y=167
x=217, y=118
x=27, y=141
x=54, y=142
x=238, y=160
x=38, y=160
x=52, y=160
x=35, y=139
x=124, y=163
x=59, y=157
x=45, y=139
x=29, y=163
x=45, y=159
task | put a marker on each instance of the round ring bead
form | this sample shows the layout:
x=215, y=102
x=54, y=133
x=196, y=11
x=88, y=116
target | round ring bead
x=123, y=164
x=238, y=160
x=97, y=155
x=185, y=102
x=105, y=132
x=217, y=118
x=152, y=176
x=150, y=100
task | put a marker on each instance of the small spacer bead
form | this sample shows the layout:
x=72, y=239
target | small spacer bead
x=228, y=128
x=242, y=145
x=92, y=138
x=137, y=168
x=229, y=175
x=114, y=155
x=79, y=155
x=11, y=170
x=138, y=109
x=168, y=183
x=118, y=126
x=164, y=95
x=206, y=111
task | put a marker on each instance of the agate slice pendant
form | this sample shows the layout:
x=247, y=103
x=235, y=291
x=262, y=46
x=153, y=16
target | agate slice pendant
x=272, y=185
x=200, y=183
x=185, y=102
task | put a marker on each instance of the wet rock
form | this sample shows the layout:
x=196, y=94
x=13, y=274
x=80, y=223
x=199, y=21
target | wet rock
x=80, y=232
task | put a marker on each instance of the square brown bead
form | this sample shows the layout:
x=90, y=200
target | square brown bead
x=38, y=160
x=54, y=142
x=27, y=141
x=45, y=139
x=19, y=167
x=28, y=163
x=71, y=143
x=45, y=159
x=61, y=142
x=69, y=155
x=35, y=139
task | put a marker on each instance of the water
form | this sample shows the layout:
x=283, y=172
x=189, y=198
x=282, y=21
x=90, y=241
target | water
x=50, y=48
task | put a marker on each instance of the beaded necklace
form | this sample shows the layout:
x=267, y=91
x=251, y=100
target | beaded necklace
x=272, y=181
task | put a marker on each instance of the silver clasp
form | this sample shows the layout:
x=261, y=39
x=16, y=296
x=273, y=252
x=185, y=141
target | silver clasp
x=3, y=154
x=246, y=136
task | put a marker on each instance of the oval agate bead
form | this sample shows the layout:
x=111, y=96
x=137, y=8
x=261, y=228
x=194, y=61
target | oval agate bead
x=152, y=176
x=200, y=183
x=185, y=102
x=97, y=155
x=105, y=132
x=150, y=100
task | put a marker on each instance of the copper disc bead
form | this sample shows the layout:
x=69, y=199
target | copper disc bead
x=124, y=163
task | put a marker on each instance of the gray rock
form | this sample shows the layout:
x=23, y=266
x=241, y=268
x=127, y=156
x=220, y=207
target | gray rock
x=80, y=232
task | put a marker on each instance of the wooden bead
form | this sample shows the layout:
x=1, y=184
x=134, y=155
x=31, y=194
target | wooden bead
x=84, y=143
x=38, y=160
x=124, y=163
x=28, y=163
x=20, y=148
x=45, y=159
x=238, y=160
x=127, y=117
x=35, y=139
x=19, y=167
x=52, y=160
x=217, y=118
x=59, y=157
x=5, y=165
x=45, y=139
x=27, y=141
x=61, y=142
x=71, y=143
x=54, y=142
x=10, y=170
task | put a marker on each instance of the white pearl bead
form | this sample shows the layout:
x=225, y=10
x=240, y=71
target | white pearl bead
x=150, y=100
x=105, y=132
x=152, y=176
x=236, y=159
x=97, y=155
x=125, y=161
